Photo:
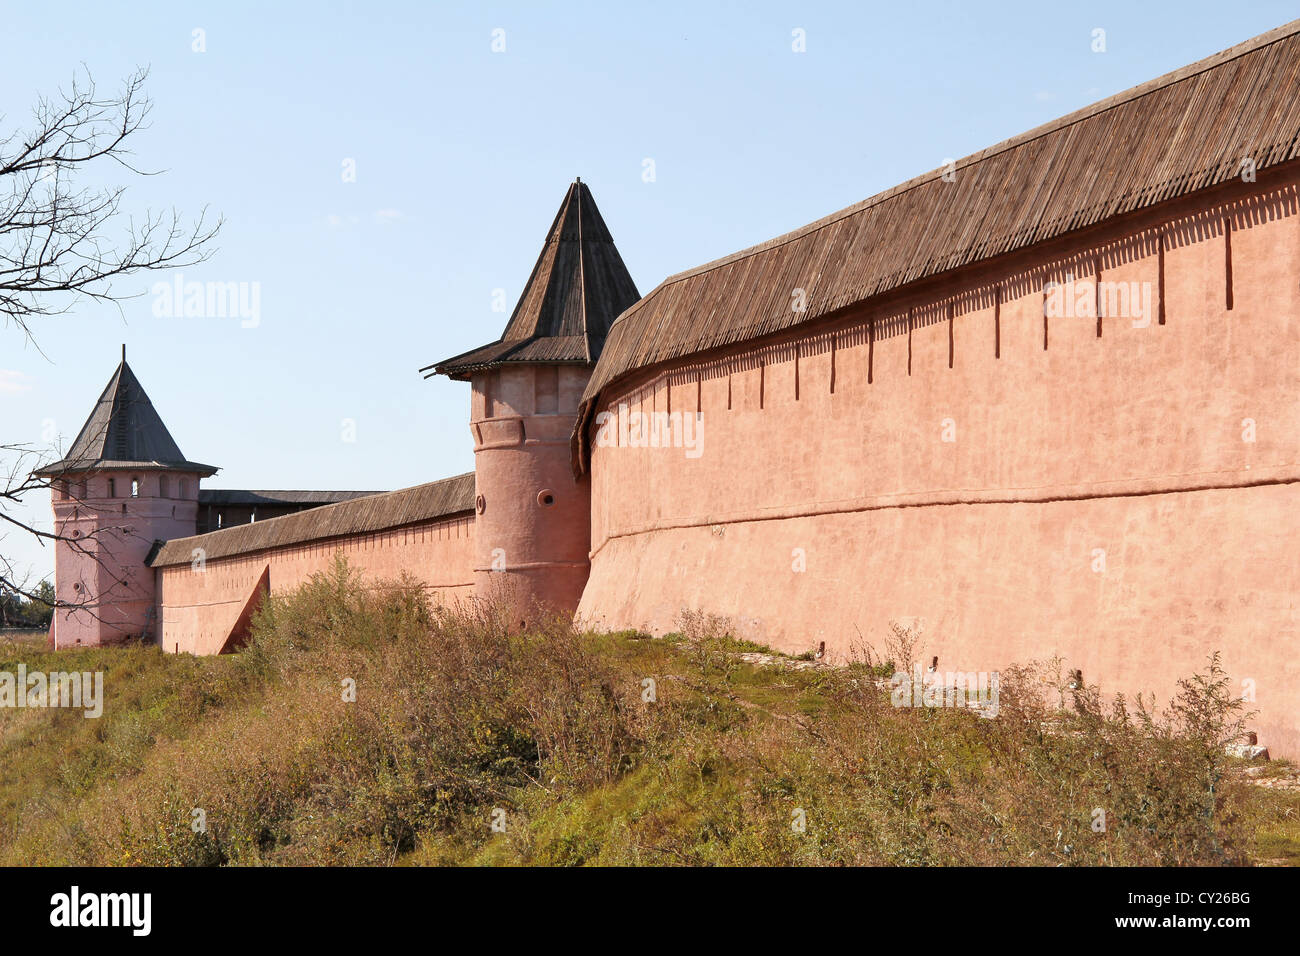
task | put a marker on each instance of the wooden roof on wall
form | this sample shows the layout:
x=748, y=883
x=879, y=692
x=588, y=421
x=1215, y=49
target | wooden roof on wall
x=577, y=287
x=245, y=497
x=1173, y=135
x=382, y=512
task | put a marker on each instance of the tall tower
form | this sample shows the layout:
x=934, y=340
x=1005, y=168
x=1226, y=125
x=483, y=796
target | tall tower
x=122, y=486
x=533, y=529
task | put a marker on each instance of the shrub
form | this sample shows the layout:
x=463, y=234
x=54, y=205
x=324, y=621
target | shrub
x=363, y=725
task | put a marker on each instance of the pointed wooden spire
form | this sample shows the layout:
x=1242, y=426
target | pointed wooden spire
x=577, y=288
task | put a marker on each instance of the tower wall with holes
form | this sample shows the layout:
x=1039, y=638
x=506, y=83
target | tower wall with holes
x=533, y=524
x=108, y=522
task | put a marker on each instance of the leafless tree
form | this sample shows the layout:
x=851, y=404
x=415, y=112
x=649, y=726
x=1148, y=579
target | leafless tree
x=61, y=241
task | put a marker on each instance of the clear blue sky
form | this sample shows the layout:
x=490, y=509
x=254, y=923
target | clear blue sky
x=462, y=157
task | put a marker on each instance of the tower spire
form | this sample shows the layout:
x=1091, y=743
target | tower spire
x=124, y=430
x=578, y=286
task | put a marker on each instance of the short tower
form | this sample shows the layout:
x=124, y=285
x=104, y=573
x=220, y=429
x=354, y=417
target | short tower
x=122, y=486
x=533, y=526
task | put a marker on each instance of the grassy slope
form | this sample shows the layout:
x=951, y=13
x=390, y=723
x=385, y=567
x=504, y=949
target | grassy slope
x=456, y=719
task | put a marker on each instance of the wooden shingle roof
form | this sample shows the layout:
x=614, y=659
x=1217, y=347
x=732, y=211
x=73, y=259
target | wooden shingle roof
x=249, y=497
x=124, y=431
x=577, y=287
x=367, y=515
x=1168, y=137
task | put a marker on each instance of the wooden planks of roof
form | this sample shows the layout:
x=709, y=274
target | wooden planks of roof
x=393, y=509
x=245, y=496
x=124, y=430
x=578, y=285
x=1185, y=131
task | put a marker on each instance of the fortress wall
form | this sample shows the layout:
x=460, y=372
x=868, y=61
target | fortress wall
x=201, y=608
x=1130, y=502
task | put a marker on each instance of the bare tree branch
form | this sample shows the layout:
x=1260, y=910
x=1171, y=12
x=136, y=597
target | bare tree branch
x=61, y=242
x=55, y=241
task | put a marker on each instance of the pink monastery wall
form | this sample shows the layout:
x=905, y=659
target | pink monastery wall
x=830, y=448
x=201, y=607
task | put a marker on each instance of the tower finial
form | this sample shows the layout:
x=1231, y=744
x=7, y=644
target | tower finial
x=123, y=351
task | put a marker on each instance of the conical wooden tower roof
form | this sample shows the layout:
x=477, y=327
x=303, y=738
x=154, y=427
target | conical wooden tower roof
x=577, y=288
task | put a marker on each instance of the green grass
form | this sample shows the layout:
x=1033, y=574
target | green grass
x=459, y=722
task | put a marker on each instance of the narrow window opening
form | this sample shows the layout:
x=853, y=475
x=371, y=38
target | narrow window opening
x=1227, y=261
x=1160, y=277
x=909, y=341
x=997, y=321
x=1045, y=293
x=871, y=350
x=950, y=342
x=1097, y=292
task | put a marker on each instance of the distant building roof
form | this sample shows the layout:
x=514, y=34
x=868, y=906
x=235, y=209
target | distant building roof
x=1173, y=135
x=239, y=496
x=392, y=509
x=577, y=288
x=124, y=431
